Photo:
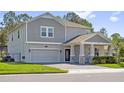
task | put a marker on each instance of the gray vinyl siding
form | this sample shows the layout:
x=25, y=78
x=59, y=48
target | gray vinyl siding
x=17, y=46
x=72, y=32
x=34, y=30
x=97, y=39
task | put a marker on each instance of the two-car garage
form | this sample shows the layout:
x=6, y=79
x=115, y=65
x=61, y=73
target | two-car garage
x=45, y=55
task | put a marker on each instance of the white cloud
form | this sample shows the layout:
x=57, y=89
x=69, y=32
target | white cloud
x=114, y=18
x=83, y=14
x=1, y=19
x=116, y=13
x=92, y=16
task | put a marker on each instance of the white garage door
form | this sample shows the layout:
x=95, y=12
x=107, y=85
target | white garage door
x=45, y=56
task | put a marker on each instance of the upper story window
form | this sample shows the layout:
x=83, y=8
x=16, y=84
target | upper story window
x=18, y=34
x=47, y=32
x=43, y=32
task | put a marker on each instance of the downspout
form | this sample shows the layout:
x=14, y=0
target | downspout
x=26, y=41
x=65, y=30
x=26, y=32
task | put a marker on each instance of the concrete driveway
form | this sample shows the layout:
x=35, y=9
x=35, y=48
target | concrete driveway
x=82, y=69
x=76, y=66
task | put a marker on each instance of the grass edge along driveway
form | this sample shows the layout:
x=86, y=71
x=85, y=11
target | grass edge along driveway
x=13, y=68
x=110, y=65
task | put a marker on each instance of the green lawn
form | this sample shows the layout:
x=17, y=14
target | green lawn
x=13, y=68
x=110, y=65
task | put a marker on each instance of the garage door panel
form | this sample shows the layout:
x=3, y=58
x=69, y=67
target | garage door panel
x=45, y=56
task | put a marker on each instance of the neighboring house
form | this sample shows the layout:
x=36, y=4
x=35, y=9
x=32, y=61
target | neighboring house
x=47, y=39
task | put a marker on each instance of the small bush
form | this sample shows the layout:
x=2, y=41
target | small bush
x=2, y=61
x=121, y=64
x=104, y=60
x=96, y=60
x=121, y=59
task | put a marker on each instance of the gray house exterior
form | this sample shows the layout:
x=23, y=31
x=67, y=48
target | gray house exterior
x=47, y=39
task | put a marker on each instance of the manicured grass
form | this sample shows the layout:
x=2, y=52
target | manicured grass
x=110, y=65
x=13, y=68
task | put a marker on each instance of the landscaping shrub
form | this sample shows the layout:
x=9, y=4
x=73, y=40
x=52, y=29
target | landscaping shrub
x=121, y=59
x=2, y=61
x=121, y=64
x=104, y=60
x=96, y=60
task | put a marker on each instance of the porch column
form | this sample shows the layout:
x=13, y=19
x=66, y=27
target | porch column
x=92, y=50
x=91, y=53
x=109, y=50
x=82, y=54
x=72, y=54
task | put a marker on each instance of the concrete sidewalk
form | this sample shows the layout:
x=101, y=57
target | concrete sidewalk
x=87, y=71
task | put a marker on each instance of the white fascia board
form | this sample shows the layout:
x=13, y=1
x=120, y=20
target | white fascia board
x=44, y=49
x=96, y=43
x=43, y=43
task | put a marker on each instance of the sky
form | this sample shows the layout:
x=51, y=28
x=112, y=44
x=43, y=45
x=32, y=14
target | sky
x=113, y=21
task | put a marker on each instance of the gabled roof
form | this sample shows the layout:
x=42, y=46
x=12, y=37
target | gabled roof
x=83, y=38
x=60, y=20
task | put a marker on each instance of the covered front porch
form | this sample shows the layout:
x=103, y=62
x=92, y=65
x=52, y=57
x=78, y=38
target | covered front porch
x=83, y=50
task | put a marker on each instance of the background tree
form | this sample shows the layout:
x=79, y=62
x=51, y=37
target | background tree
x=9, y=22
x=23, y=17
x=121, y=52
x=104, y=31
x=116, y=38
x=73, y=17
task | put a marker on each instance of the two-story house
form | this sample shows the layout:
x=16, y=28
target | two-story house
x=48, y=39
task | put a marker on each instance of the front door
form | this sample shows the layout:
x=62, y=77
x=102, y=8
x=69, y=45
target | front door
x=67, y=54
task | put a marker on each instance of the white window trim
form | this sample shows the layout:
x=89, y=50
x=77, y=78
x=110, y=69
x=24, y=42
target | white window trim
x=47, y=27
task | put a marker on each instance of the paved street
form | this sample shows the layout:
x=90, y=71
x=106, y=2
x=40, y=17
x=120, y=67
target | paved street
x=104, y=77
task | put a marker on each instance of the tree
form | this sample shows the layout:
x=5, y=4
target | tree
x=23, y=17
x=10, y=21
x=73, y=17
x=58, y=17
x=104, y=31
x=9, y=18
x=116, y=43
x=116, y=38
x=3, y=41
x=121, y=52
